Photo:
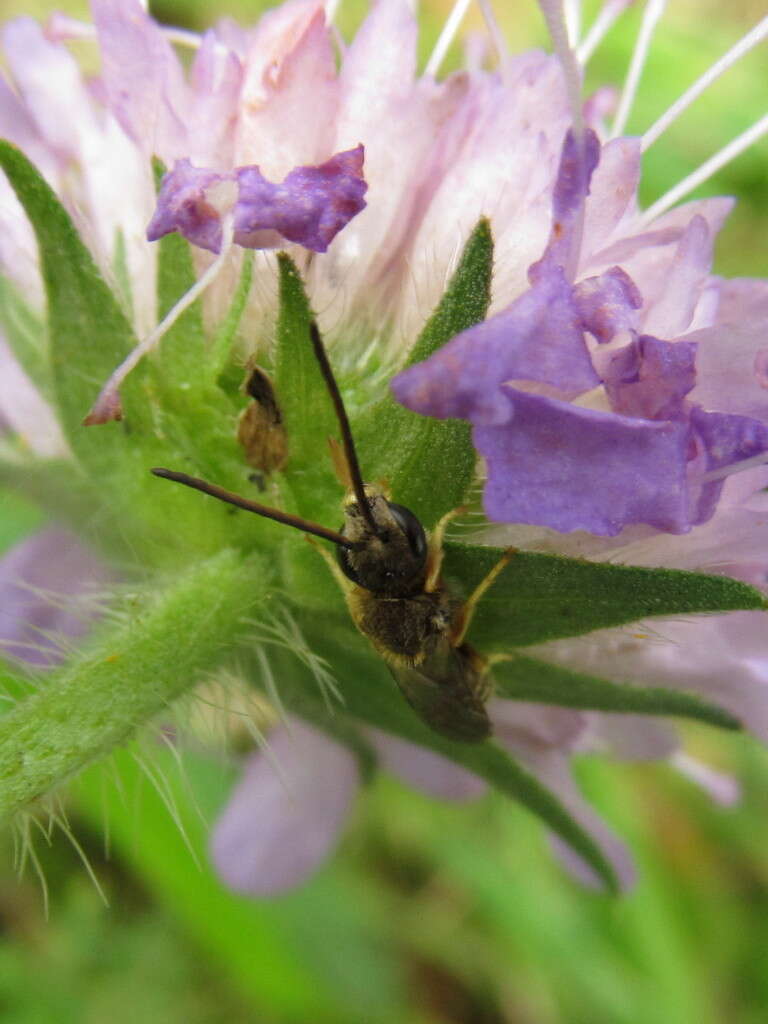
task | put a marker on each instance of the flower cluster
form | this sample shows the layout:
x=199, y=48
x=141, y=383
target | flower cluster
x=617, y=392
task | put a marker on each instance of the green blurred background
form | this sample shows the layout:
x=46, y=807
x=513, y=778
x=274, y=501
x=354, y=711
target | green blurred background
x=429, y=914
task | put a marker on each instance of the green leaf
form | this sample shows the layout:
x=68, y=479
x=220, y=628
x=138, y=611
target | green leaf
x=301, y=392
x=89, y=334
x=428, y=462
x=25, y=332
x=19, y=518
x=545, y=597
x=530, y=679
x=308, y=486
x=369, y=694
x=126, y=677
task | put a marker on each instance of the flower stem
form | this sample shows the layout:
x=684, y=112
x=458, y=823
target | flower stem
x=130, y=675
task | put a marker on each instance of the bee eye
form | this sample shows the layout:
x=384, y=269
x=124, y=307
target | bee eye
x=412, y=528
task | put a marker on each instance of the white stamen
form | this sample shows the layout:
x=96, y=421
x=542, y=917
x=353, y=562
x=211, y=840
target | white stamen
x=651, y=15
x=555, y=19
x=331, y=9
x=601, y=26
x=735, y=467
x=450, y=28
x=494, y=31
x=62, y=26
x=173, y=314
x=182, y=37
x=722, y=788
x=572, y=14
x=744, y=45
x=707, y=169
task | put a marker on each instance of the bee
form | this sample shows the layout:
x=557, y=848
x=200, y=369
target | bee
x=390, y=574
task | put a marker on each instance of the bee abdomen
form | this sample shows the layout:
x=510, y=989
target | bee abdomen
x=403, y=630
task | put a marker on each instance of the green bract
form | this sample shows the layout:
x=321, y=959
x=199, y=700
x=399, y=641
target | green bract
x=205, y=572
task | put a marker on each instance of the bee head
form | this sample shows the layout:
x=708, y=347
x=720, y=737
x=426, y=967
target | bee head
x=390, y=561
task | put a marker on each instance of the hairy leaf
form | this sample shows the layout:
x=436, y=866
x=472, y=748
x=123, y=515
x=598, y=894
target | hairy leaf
x=545, y=597
x=531, y=679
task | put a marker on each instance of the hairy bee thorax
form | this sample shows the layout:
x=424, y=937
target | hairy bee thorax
x=390, y=561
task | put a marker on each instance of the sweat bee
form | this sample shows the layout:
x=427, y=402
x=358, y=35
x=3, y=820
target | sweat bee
x=390, y=574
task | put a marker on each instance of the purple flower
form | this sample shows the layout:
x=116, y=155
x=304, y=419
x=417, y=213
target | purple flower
x=578, y=465
x=309, y=207
x=44, y=582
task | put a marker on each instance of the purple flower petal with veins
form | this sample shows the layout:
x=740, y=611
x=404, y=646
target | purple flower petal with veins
x=183, y=205
x=650, y=378
x=309, y=207
x=726, y=439
x=578, y=160
x=572, y=468
x=538, y=338
x=608, y=304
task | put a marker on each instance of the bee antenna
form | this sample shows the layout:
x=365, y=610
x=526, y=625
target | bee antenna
x=252, y=506
x=346, y=432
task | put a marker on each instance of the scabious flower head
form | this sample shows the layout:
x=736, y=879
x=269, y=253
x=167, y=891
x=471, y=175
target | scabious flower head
x=616, y=393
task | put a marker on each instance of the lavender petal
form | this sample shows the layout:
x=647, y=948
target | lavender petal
x=573, y=468
x=649, y=378
x=538, y=338
x=284, y=816
x=425, y=770
x=608, y=304
x=183, y=206
x=726, y=439
x=309, y=207
x=43, y=580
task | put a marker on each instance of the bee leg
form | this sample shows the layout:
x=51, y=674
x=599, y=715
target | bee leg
x=435, y=555
x=346, y=585
x=463, y=619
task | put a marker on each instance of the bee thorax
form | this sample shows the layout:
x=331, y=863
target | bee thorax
x=389, y=560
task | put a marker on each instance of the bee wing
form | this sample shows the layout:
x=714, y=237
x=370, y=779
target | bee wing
x=445, y=692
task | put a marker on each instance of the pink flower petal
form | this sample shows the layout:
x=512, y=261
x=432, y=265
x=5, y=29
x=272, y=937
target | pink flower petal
x=142, y=76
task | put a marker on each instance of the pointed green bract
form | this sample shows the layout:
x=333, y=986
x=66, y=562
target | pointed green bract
x=546, y=597
x=530, y=679
x=132, y=673
x=89, y=334
x=301, y=392
x=309, y=485
x=430, y=463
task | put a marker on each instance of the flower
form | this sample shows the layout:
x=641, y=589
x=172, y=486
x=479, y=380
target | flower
x=616, y=392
